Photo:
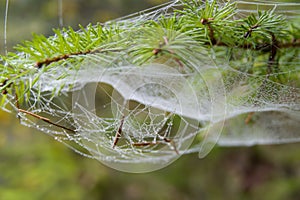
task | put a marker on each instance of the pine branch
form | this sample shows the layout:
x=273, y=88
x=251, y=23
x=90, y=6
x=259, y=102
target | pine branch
x=192, y=31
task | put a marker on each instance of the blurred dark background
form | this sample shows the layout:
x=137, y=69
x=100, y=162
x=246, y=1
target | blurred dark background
x=35, y=166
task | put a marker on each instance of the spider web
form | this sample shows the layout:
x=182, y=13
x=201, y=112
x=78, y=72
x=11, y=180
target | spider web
x=140, y=119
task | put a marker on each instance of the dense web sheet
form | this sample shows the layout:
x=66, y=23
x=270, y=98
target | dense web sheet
x=140, y=119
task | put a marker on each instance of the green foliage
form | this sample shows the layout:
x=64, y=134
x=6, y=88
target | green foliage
x=263, y=26
x=191, y=31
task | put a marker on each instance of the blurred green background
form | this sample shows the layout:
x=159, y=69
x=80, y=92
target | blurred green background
x=35, y=166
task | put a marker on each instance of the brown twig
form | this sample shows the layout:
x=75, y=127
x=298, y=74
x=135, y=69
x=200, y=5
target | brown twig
x=248, y=33
x=249, y=117
x=119, y=132
x=271, y=61
x=3, y=84
x=142, y=144
x=271, y=64
x=261, y=47
x=207, y=22
x=161, y=44
x=45, y=120
x=59, y=58
x=294, y=43
x=156, y=51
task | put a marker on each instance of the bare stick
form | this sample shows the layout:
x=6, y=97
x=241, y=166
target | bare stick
x=249, y=117
x=45, y=120
x=207, y=22
x=119, y=132
x=143, y=144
